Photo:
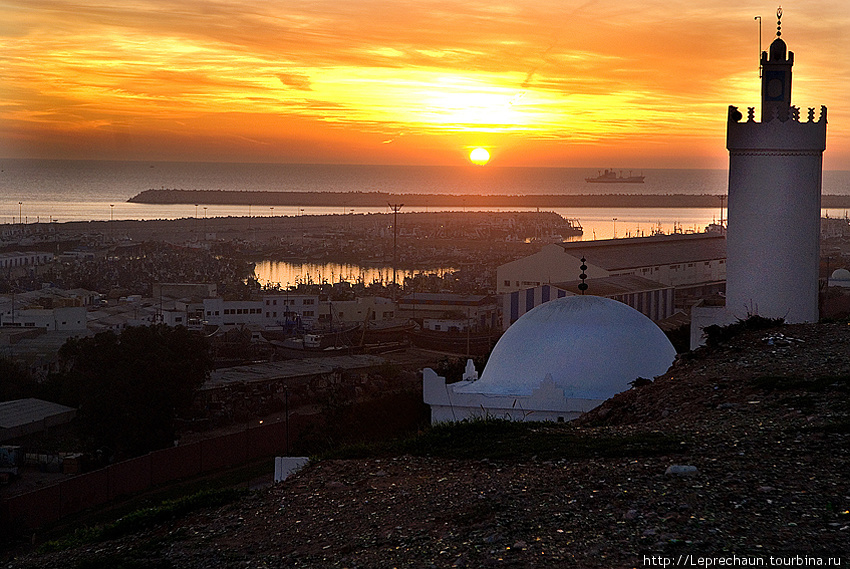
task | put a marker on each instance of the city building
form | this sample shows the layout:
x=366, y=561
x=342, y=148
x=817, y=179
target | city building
x=692, y=263
x=183, y=290
x=651, y=298
x=35, y=349
x=22, y=417
x=282, y=310
x=480, y=311
x=358, y=311
x=27, y=259
x=221, y=312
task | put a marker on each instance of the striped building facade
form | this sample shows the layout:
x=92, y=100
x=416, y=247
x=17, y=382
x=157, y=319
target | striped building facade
x=653, y=299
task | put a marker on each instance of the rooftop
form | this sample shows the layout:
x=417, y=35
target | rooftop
x=610, y=286
x=289, y=369
x=619, y=254
x=21, y=412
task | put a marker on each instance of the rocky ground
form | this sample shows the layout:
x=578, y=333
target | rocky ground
x=763, y=420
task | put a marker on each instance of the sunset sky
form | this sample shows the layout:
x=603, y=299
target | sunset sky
x=537, y=83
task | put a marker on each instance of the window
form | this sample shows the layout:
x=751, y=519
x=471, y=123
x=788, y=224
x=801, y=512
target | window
x=437, y=327
x=308, y=313
x=267, y=314
x=309, y=301
x=507, y=283
x=268, y=302
x=179, y=319
x=274, y=302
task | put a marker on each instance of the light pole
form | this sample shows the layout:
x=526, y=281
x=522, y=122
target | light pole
x=20, y=213
x=395, y=208
x=111, y=210
x=615, y=227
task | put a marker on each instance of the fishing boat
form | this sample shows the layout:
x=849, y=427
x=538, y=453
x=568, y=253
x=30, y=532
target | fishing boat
x=612, y=177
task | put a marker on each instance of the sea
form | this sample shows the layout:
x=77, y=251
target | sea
x=71, y=190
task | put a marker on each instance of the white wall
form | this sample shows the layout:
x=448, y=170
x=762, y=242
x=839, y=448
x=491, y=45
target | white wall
x=71, y=318
x=773, y=238
x=222, y=312
x=275, y=308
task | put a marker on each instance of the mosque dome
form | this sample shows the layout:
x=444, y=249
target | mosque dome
x=590, y=346
x=840, y=275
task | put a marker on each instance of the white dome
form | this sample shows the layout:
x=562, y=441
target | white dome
x=840, y=275
x=591, y=346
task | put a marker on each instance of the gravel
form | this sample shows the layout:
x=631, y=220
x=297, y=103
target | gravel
x=764, y=423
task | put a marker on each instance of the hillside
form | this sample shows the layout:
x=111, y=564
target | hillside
x=764, y=418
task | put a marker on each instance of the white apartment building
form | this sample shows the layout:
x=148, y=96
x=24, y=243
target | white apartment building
x=278, y=309
x=220, y=312
x=62, y=319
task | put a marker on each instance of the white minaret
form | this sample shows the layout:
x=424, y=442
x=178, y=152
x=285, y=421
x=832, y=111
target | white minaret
x=775, y=167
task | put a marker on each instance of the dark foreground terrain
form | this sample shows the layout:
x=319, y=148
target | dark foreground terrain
x=764, y=419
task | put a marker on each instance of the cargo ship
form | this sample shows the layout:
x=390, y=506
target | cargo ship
x=612, y=177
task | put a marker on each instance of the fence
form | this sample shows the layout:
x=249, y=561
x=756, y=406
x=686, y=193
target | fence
x=35, y=509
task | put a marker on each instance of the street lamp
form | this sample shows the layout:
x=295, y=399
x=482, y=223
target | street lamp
x=111, y=210
x=20, y=212
x=615, y=228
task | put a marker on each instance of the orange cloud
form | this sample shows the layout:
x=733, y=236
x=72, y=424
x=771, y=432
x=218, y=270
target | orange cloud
x=546, y=81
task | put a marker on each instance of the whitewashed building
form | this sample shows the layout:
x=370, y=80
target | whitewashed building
x=557, y=361
x=220, y=312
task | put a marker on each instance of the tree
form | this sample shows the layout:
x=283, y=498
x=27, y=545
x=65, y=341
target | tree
x=131, y=387
x=15, y=381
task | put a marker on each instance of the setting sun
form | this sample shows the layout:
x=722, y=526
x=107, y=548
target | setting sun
x=479, y=156
x=547, y=83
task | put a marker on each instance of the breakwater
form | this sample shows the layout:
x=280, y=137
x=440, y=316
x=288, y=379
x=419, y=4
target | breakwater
x=381, y=199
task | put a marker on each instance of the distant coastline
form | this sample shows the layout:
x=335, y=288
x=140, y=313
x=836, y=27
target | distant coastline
x=381, y=199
